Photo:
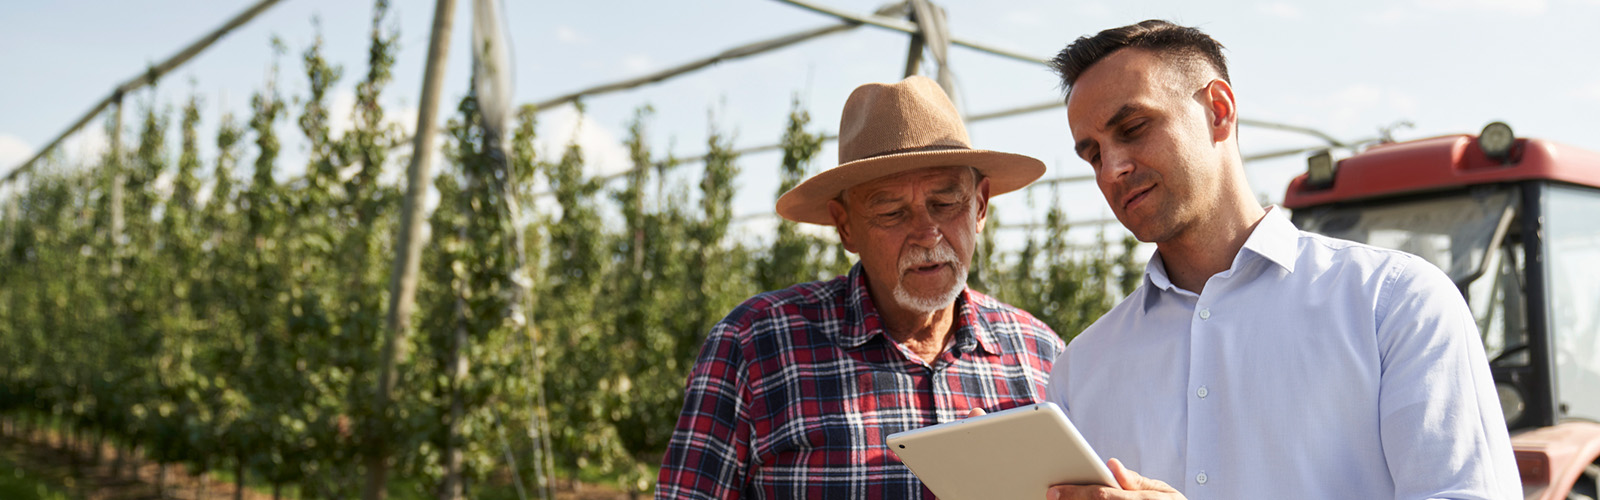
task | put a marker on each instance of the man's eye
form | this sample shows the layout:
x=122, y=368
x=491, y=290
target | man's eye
x=1133, y=130
x=891, y=215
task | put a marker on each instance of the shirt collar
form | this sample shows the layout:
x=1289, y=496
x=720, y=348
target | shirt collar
x=1275, y=238
x=862, y=321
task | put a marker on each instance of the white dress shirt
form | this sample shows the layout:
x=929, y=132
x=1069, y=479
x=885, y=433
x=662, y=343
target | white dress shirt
x=1313, y=368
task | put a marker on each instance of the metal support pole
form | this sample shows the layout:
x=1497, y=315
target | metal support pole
x=914, y=54
x=148, y=77
x=408, y=258
x=935, y=34
x=905, y=27
x=739, y=52
x=118, y=178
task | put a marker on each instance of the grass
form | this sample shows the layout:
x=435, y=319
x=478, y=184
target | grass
x=17, y=484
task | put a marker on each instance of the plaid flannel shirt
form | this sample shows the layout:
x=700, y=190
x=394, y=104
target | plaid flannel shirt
x=796, y=390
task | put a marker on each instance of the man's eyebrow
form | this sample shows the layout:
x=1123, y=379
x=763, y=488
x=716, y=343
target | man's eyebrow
x=1121, y=114
x=882, y=199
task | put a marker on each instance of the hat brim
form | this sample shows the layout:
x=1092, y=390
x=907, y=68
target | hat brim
x=808, y=202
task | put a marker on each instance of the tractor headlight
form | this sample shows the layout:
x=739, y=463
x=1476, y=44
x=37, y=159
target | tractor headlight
x=1511, y=402
x=1320, y=169
x=1495, y=140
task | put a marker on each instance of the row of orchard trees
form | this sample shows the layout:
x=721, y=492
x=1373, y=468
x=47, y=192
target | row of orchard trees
x=229, y=320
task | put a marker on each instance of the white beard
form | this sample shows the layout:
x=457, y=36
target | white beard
x=928, y=304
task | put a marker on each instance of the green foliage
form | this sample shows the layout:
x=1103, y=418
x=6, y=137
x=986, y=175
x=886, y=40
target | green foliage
x=796, y=257
x=1067, y=288
x=236, y=319
x=17, y=484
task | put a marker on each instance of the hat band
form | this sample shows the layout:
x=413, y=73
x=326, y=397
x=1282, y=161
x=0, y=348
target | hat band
x=918, y=149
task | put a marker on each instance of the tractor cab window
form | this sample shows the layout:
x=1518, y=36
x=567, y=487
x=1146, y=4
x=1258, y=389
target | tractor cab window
x=1573, y=250
x=1468, y=234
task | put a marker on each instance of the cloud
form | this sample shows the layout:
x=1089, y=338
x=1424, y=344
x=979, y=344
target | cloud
x=603, y=152
x=1388, y=15
x=1351, y=112
x=1588, y=92
x=13, y=151
x=91, y=144
x=1025, y=17
x=1092, y=9
x=341, y=111
x=1512, y=7
x=1279, y=10
x=638, y=63
x=1358, y=106
x=569, y=36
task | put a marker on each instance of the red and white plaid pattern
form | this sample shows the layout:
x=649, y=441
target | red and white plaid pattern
x=795, y=391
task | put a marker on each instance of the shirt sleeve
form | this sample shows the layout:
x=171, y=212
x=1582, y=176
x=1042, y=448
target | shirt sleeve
x=709, y=448
x=1056, y=390
x=1443, y=434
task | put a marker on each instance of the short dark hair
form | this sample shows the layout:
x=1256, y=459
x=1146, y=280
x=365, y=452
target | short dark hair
x=1179, y=43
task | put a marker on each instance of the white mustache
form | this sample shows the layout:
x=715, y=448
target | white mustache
x=918, y=257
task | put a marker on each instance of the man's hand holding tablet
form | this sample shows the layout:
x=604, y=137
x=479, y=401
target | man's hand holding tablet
x=1134, y=486
x=1016, y=454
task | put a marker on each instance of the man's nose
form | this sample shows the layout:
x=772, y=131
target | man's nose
x=924, y=230
x=1115, y=163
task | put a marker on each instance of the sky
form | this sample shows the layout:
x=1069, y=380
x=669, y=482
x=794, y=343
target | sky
x=1348, y=69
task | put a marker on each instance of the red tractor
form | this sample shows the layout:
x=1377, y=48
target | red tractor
x=1516, y=223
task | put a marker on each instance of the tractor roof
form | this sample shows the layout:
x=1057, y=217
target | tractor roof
x=1442, y=163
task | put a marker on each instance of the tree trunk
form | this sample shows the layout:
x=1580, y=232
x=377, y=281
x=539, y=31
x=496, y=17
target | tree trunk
x=161, y=479
x=116, y=462
x=85, y=440
x=99, y=443
x=450, y=488
x=238, y=475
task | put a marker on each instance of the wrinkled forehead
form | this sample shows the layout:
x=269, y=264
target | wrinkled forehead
x=929, y=180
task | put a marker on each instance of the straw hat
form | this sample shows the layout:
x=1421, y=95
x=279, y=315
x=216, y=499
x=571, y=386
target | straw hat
x=891, y=128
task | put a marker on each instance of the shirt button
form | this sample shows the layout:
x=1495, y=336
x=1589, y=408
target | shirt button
x=1200, y=478
x=1202, y=392
x=1205, y=314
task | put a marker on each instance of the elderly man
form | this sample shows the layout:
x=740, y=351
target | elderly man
x=1256, y=360
x=795, y=391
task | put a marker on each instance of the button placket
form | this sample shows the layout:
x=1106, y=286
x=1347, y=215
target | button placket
x=943, y=405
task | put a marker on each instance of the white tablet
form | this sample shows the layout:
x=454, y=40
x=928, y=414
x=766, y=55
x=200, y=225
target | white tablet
x=1013, y=454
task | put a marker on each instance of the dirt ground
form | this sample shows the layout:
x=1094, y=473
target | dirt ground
x=44, y=454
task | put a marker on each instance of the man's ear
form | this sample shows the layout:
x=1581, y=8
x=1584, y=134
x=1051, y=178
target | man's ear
x=1221, y=110
x=841, y=224
x=983, y=202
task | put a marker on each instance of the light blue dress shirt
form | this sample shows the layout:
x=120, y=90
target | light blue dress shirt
x=1313, y=368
